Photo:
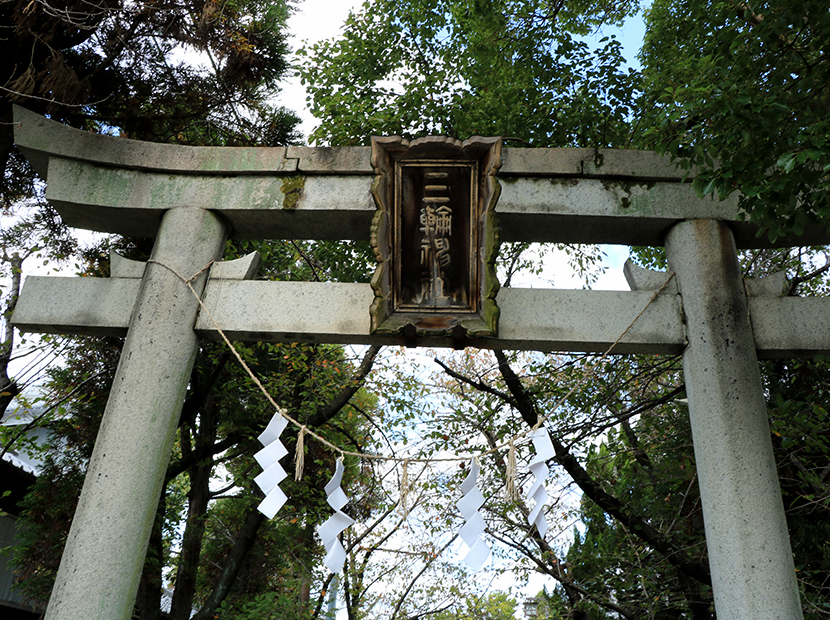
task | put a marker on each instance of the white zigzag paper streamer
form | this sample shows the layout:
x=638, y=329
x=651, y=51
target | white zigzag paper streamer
x=471, y=500
x=268, y=458
x=336, y=523
x=539, y=468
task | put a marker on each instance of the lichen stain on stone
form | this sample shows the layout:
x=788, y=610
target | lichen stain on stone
x=564, y=181
x=292, y=189
x=626, y=191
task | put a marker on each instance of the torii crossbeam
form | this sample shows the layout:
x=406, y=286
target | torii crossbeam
x=192, y=198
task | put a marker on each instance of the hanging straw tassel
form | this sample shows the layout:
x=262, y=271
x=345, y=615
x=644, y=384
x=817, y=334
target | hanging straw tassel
x=511, y=474
x=403, y=509
x=299, y=454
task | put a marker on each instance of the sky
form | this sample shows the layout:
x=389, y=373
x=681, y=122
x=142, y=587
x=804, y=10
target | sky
x=315, y=20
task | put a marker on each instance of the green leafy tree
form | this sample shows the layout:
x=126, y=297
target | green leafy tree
x=493, y=606
x=464, y=67
x=735, y=90
x=650, y=465
x=117, y=66
x=739, y=90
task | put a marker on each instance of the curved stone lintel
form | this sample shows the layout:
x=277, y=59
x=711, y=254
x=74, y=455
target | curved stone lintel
x=113, y=184
x=40, y=138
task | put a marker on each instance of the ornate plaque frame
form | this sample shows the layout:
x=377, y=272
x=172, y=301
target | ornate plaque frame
x=435, y=235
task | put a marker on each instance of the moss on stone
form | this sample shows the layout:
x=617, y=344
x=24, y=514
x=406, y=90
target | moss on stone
x=292, y=189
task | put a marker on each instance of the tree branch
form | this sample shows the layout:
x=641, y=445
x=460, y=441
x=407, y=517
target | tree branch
x=199, y=453
x=562, y=577
x=415, y=579
x=796, y=281
x=324, y=414
x=479, y=385
x=591, y=488
x=233, y=564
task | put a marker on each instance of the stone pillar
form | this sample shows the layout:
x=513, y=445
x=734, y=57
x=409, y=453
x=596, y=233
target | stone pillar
x=101, y=564
x=750, y=558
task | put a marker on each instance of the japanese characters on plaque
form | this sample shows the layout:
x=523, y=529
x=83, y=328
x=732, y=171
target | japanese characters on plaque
x=435, y=267
x=435, y=236
x=436, y=224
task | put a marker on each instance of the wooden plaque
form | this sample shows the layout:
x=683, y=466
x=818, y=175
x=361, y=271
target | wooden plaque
x=435, y=236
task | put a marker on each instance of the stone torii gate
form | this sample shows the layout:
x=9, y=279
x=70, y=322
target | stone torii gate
x=192, y=198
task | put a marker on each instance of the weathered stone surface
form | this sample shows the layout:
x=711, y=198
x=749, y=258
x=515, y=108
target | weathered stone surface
x=534, y=319
x=773, y=285
x=549, y=195
x=340, y=207
x=39, y=138
x=590, y=321
x=640, y=279
x=531, y=319
x=601, y=211
x=641, y=165
x=130, y=202
x=288, y=311
x=121, y=267
x=338, y=160
x=86, y=306
x=546, y=162
x=101, y=564
x=591, y=163
x=750, y=558
x=243, y=268
x=788, y=327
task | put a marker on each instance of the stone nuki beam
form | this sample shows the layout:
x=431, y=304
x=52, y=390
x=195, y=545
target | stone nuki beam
x=531, y=319
x=548, y=195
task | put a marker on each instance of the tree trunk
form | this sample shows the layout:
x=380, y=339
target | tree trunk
x=148, y=600
x=8, y=388
x=243, y=544
x=191, y=550
x=182, y=605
